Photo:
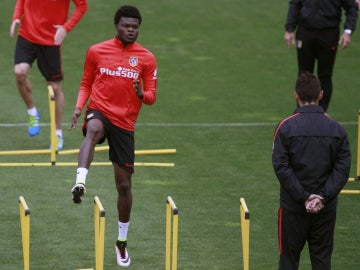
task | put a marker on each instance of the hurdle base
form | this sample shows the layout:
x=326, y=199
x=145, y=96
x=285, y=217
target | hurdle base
x=347, y=191
x=356, y=178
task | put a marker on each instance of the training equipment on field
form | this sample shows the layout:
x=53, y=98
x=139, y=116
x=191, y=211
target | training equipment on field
x=53, y=151
x=245, y=232
x=25, y=231
x=99, y=228
x=348, y=191
x=99, y=221
x=357, y=177
x=45, y=164
x=137, y=152
x=53, y=144
x=172, y=218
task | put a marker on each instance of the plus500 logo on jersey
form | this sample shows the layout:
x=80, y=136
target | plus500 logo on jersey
x=120, y=72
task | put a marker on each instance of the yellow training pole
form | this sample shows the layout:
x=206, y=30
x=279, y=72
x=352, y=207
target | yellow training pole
x=25, y=152
x=25, y=231
x=358, y=151
x=46, y=164
x=349, y=191
x=245, y=231
x=99, y=229
x=53, y=143
x=137, y=152
x=99, y=219
x=172, y=217
x=357, y=177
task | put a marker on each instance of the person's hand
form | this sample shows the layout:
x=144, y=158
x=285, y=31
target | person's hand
x=74, y=121
x=60, y=34
x=13, y=26
x=289, y=38
x=139, y=92
x=314, y=204
x=345, y=40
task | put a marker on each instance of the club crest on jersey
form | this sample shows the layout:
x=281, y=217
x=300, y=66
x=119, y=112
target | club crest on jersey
x=133, y=61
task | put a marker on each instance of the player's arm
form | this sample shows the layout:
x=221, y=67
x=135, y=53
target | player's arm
x=340, y=172
x=81, y=7
x=149, y=79
x=291, y=22
x=351, y=13
x=18, y=12
x=85, y=88
x=284, y=171
x=139, y=92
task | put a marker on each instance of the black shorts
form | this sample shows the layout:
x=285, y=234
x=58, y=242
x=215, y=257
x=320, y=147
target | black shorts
x=48, y=58
x=121, y=142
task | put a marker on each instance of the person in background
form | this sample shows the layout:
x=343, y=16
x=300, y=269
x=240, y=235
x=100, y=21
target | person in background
x=119, y=76
x=317, y=26
x=43, y=27
x=311, y=159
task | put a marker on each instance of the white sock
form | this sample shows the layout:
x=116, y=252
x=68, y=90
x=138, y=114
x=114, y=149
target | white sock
x=123, y=230
x=32, y=111
x=59, y=132
x=81, y=174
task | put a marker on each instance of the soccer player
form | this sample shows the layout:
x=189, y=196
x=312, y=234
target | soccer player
x=311, y=159
x=119, y=76
x=43, y=27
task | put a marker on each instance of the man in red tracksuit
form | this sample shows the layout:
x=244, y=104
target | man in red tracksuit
x=119, y=76
x=311, y=159
x=43, y=27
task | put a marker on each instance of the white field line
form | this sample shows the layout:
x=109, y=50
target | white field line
x=238, y=124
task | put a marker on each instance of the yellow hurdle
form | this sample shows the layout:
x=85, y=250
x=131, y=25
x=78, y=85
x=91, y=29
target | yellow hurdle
x=25, y=231
x=99, y=228
x=245, y=231
x=25, y=152
x=53, y=143
x=99, y=220
x=358, y=151
x=348, y=191
x=172, y=217
x=76, y=151
x=357, y=177
x=53, y=151
x=137, y=152
x=63, y=164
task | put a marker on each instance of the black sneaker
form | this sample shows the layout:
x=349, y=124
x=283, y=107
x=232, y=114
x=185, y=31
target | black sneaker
x=77, y=192
x=122, y=256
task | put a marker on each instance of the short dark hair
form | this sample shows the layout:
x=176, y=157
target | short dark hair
x=128, y=12
x=308, y=87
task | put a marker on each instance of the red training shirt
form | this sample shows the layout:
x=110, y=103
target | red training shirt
x=38, y=18
x=109, y=71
